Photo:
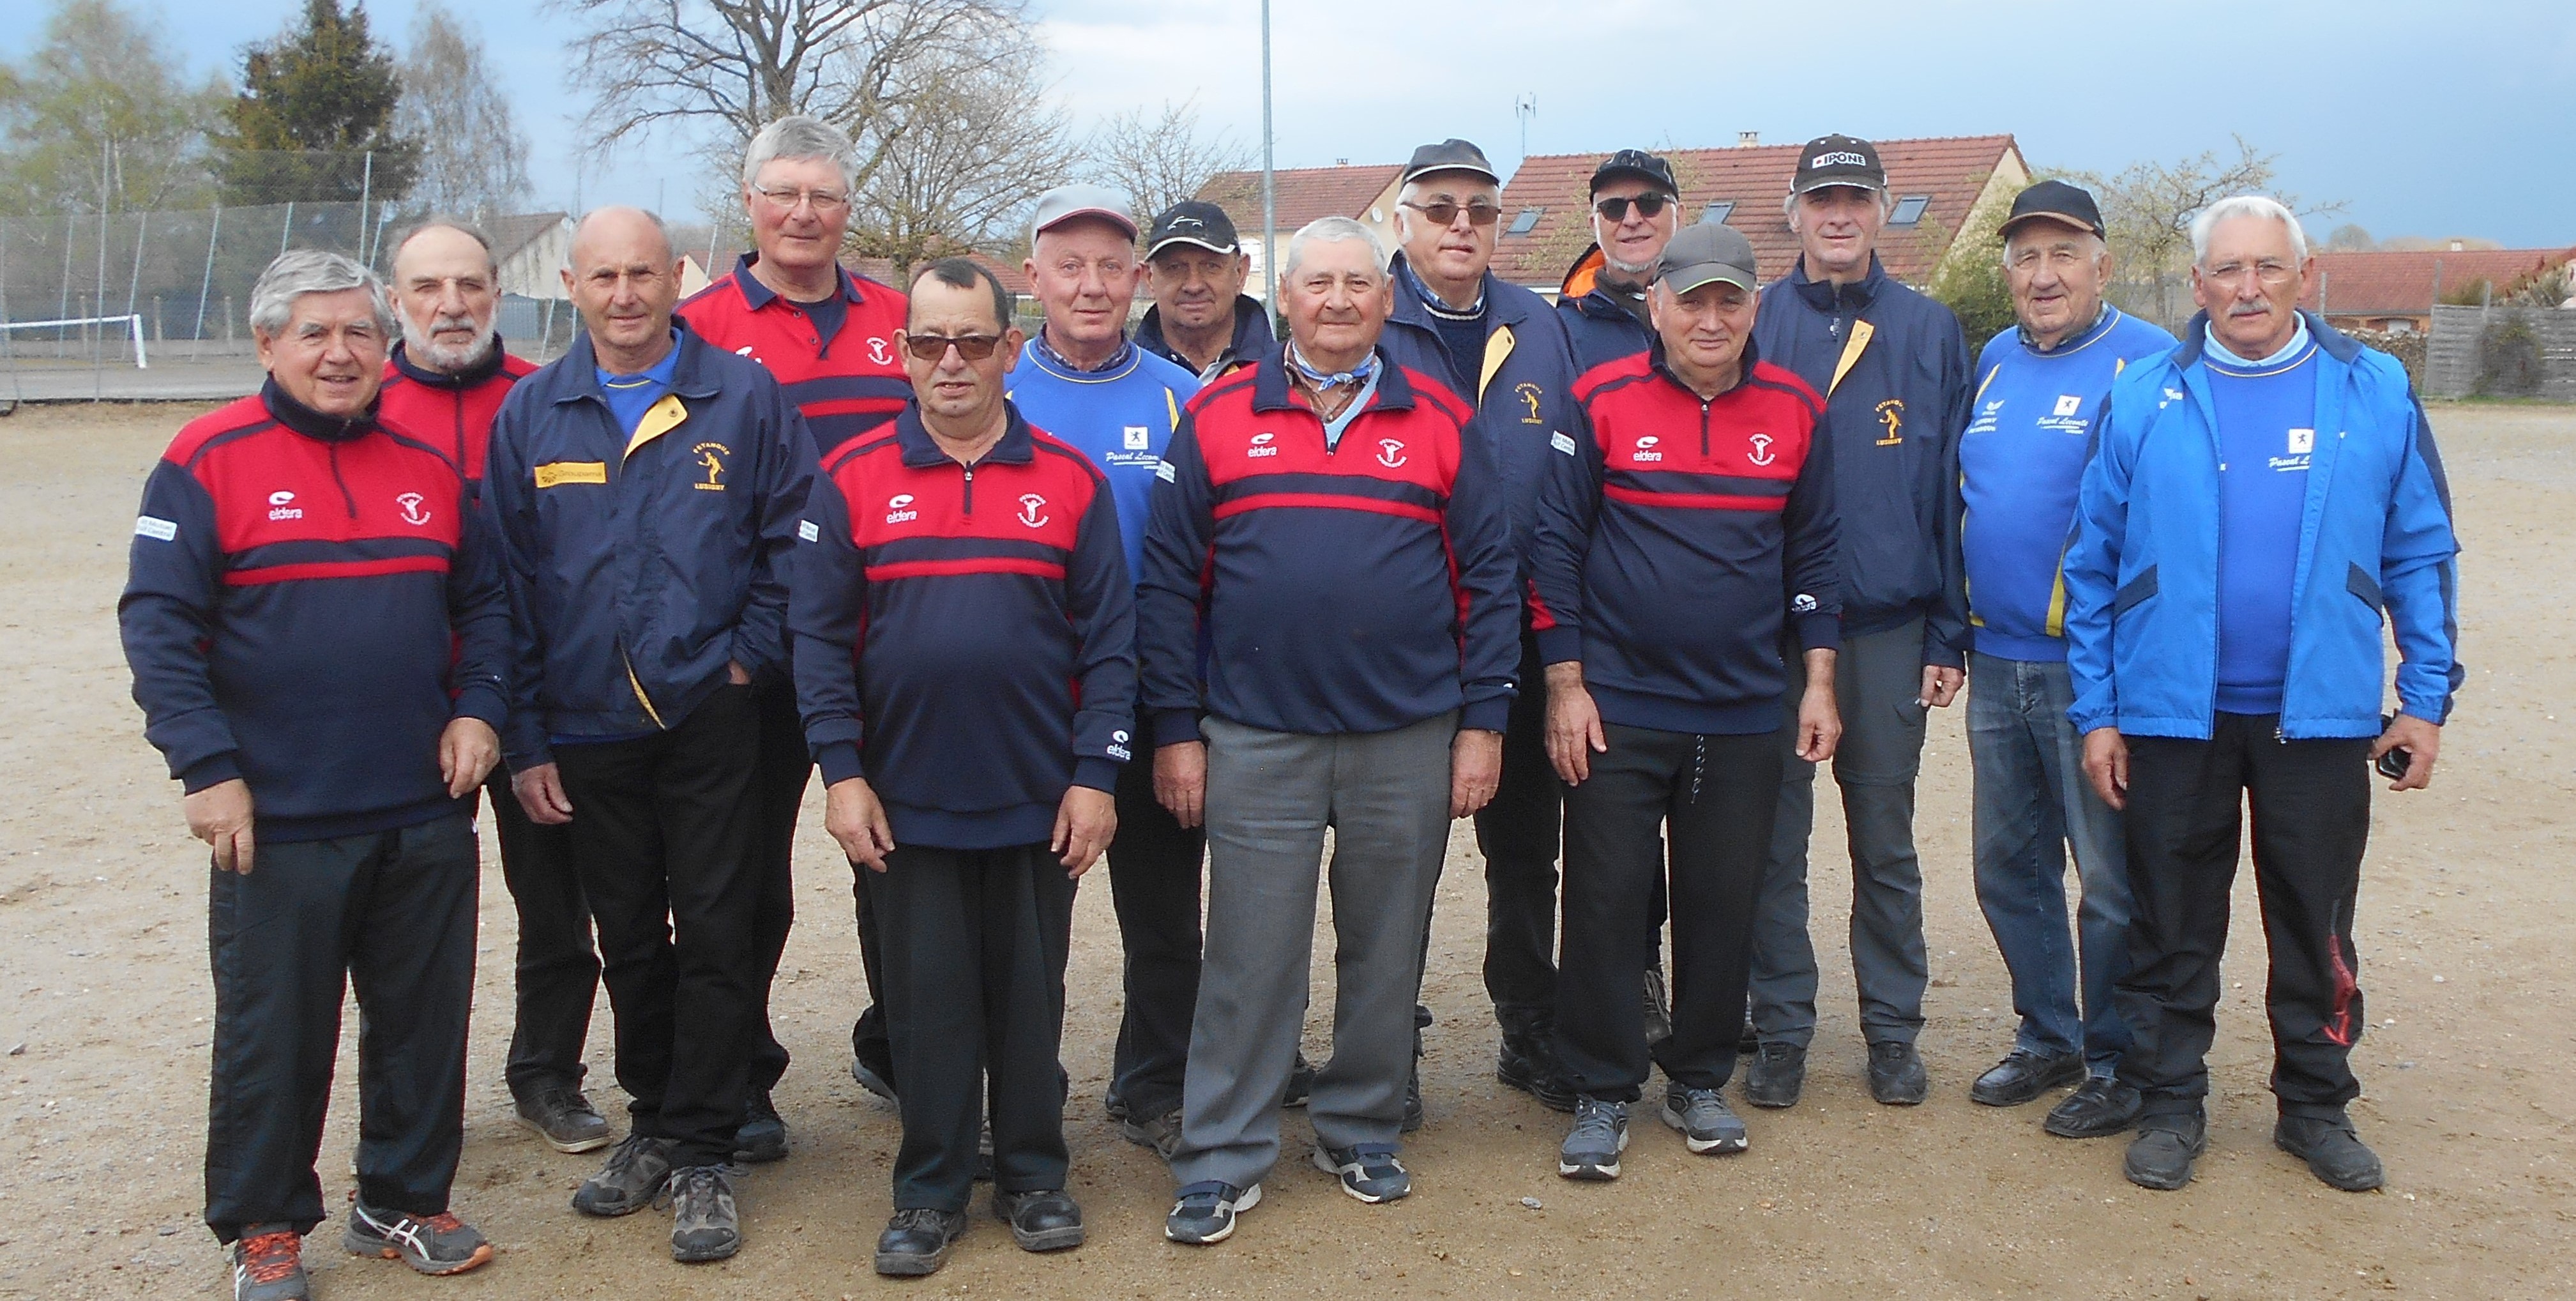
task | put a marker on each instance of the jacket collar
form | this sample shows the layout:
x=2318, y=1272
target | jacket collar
x=1501, y=307
x=2102, y=321
x=756, y=295
x=467, y=378
x=921, y=451
x=1270, y=384
x=2331, y=341
x=311, y=423
x=691, y=377
x=1830, y=298
x=1252, y=336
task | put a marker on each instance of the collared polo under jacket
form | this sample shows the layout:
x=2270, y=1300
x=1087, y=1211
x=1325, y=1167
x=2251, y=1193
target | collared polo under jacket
x=846, y=387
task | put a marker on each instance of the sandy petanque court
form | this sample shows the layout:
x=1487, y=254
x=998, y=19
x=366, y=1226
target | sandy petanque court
x=2468, y=918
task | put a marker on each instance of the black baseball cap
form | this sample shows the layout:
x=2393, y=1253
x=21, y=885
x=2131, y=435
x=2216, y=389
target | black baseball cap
x=2055, y=201
x=1450, y=156
x=1705, y=253
x=1637, y=163
x=1838, y=160
x=1193, y=222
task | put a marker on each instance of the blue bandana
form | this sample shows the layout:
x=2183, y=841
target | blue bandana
x=1355, y=375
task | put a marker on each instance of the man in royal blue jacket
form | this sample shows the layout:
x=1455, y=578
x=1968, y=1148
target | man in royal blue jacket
x=318, y=634
x=2258, y=497
x=646, y=487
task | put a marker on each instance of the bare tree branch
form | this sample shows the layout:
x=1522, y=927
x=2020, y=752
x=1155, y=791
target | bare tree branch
x=1160, y=160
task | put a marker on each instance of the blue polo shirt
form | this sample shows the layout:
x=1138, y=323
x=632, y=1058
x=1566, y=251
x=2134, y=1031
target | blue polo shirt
x=2267, y=415
x=1121, y=416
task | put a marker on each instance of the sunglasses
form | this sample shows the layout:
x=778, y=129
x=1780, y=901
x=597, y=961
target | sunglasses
x=1648, y=205
x=1443, y=212
x=932, y=347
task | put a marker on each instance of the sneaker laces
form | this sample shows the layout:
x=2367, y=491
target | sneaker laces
x=272, y=1257
x=1594, y=1117
x=920, y=1217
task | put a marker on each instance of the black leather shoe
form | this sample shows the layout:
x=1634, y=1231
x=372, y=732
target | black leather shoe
x=1896, y=1075
x=1776, y=1075
x=762, y=1136
x=1527, y=1062
x=2334, y=1152
x=2098, y=1108
x=1040, y=1221
x=916, y=1242
x=2160, y=1156
x=2023, y=1075
x=1412, y=1100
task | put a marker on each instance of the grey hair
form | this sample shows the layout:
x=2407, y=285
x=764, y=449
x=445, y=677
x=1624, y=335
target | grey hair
x=1331, y=230
x=2245, y=205
x=1404, y=195
x=1789, y=206
x=301, y=271
x=458, y=224
x=660, y=226
x=798, y=136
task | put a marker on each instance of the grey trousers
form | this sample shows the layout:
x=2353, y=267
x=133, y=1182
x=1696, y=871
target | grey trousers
x=1877, y=679
x=1270, y=795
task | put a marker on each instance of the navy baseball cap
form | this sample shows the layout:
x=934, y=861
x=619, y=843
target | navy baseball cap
x=1838, y=160
x=1637, y=163
x=2055, y=201
x=1193, y=222
x=1451, y=155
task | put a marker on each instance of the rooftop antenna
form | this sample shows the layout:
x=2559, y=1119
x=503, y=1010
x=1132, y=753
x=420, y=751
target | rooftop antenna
x=1525, y=108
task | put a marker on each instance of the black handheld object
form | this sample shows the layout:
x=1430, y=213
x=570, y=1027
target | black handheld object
x=2393, y=765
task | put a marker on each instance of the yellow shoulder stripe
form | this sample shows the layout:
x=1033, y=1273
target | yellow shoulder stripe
x=659, y=419
x=1498, y=347
x=1853, y=347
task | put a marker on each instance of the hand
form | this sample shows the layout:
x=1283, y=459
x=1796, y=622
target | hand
x=736, y=674
x=220, y=816
x=1180, y=781
x=541, y=795
x=1820, y=712
x=855, y=818
x=466, y=752
x=1940, y=686
x=1475, y=770
x=2106, y=765
x=2420, y=739
x=1085, y=823
x=1573, y=724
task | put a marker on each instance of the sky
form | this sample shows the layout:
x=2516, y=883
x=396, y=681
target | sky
x=2435, y=123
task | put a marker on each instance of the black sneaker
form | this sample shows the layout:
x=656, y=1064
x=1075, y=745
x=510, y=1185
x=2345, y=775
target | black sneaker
x=704, y=1222
x=1706, y=1123
x=1369, y=1172
x=916, y=1242
x=432, y=1244
x=564, y=1118
x=2100, y=1107
x=633, y=1176
x=1527, y=1062
x=870, y=1078
x=763, y=1135
x=1204, y=1214
x=1776, y=1075
x=1896, y=1075
x=2023, y=1075
x=2160, y=1156
x=2333, y=1150
x=1658, y=1007
x=1591, y=1149
x=268, y=1265
x=1161, y=1133
x=1040, y=1221
x=1413, y=1099
x=1301, y=1082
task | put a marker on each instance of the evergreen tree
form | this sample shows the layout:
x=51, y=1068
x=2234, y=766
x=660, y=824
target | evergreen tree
x=315, y=103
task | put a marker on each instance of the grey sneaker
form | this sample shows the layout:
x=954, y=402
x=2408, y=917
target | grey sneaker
x=268, y=1264
x=633, y=1176
x=1204, y=1214
x=704, y=1222
x=564, y=1118
x=1161, y=1133
x=432, y=1244
x=1592, y=1147
x=1707, y=1124
x=1369, y=1172
x=1658, y=1006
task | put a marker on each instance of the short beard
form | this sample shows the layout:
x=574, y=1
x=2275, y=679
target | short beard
x=421, y=348
x=1626, y=268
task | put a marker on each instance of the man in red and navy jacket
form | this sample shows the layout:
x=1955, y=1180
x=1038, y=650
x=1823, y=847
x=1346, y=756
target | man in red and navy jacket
x=828, y=338
x=1687, y=523
x=318, y=634
x=444, y=383
x=1332, y=531
x=965, y=661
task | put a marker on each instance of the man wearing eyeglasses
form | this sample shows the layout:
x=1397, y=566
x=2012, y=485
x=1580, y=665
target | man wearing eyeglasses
x=828, y=336
x=1636, y=207
x=1500, y=348
x=2264, y=499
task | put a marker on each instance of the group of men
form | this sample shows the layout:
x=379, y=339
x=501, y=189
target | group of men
x=1612, y=576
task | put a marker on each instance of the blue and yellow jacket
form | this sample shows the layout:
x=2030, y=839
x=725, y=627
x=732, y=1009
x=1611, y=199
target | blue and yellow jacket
x=2142, y=577
x=1598, y=326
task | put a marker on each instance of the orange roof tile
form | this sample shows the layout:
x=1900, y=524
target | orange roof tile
x=2410, y=282
x=1302, y=193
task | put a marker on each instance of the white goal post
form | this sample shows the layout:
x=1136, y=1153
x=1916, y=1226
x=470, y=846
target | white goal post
x=133, y=330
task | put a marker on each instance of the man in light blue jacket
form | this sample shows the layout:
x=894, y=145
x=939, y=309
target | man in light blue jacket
x=2258, y=497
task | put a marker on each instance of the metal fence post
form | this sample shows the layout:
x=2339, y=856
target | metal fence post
x=206, y=285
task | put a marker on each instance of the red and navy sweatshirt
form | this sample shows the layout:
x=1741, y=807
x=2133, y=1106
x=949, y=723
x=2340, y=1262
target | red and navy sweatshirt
x=309, y=603
x=1677, y=534
x=452, y=412
x=1358, y=588
x=964, y=634
x=847, y=379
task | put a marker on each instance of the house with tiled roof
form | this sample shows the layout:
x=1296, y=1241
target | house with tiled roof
x=1302, y=194
x=1935, y=182
x=2395, y=290
x=532, y=249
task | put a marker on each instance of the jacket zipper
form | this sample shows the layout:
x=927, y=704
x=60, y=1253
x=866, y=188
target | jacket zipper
x=970, y=492
x=345, y=498
x=638, y=685
x=1703, y=433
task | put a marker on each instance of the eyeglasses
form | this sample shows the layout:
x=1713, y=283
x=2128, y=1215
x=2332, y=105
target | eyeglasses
x=933, y=347
x=1649, y=206
x=1442, y=212
x=2268, y=271
x=788, y=200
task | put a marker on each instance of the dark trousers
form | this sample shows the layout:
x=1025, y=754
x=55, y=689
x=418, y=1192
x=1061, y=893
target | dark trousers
x=868, y=1041
x=1518, y=834
x=1696, y=807
x=778, y=781
x=1154, y=883
x=2311, y=805
x=391, y=913
x=974, y=951
x=557, y=978
x=662, y=835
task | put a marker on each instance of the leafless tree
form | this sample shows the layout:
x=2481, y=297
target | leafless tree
x=475, y=159
x=1159, y=160
x=965, y=147
x=2148, y=208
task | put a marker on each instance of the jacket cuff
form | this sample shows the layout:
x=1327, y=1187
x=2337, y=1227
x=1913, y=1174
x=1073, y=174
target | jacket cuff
x=1492, y=715
x=213, y=770
x=2092, y=721
x=1559, y=644
x=484, y=701
x=1097, y=773
x=2432, y=711
x=1818, y=630
x=840, y=762
x=1175, y=726
x=1938, y=652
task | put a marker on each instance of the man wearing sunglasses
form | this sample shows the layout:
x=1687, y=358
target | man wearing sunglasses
x=828, y=336
x=1635, y=210
x=1500, y=348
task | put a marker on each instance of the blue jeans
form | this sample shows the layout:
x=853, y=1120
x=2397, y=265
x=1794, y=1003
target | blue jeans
x=2032, y=805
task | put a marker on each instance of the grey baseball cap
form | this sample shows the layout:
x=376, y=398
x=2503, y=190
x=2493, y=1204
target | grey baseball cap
x=1066, y=202
x=1704, y=254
